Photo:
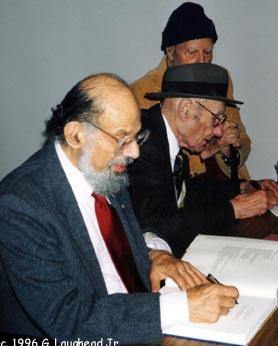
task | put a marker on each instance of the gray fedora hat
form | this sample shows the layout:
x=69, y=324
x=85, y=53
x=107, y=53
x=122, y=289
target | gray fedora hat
x=204, y=81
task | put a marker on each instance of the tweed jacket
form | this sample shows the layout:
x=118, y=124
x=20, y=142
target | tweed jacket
x=152, y=82
x=51, y=283
x=206, y=206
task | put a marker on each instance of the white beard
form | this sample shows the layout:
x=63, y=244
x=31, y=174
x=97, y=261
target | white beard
x=107, y=183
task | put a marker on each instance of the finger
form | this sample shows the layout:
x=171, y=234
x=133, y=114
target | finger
x=184, y=280
x=193, y=276
x=202, y=277
x=232, y=129
x=231, y=133
x=228, y=124
x=271, y=204
x=235, y=141
x=155, y=282
x=272, y=186
x=225, y=311
x=192, y=280
x=187, y=278
x=229, y=302
x=229, y=292
x=198, y=277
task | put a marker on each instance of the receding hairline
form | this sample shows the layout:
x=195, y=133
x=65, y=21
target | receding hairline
x=103, y=81
x=103, y=86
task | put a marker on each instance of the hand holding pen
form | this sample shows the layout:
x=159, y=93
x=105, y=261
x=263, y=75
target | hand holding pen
x=213, y=280
x=208, y=302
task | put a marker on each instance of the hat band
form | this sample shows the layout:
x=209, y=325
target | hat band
x=198, y=88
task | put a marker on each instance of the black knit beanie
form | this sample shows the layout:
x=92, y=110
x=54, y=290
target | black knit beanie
x=187, y=22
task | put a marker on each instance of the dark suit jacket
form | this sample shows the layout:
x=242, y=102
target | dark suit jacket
x=206, y=209
x=50, y=280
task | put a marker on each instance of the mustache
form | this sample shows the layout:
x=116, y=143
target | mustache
x=125, y=161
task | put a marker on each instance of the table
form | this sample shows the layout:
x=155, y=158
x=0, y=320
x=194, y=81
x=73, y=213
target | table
x=256, y=227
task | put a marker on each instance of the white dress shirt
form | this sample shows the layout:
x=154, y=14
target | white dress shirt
x=83, y=194
x=173, y=143
x=173, y=306
x=173, y=151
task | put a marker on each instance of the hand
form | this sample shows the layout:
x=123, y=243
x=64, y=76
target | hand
x=269, y=184
x=208, y=302
x=253, y=204
x=165, y=265
x=231, y=135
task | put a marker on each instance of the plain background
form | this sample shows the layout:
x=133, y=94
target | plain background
x=49, y=45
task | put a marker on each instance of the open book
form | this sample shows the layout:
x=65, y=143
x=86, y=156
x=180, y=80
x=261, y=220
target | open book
x=249, y=264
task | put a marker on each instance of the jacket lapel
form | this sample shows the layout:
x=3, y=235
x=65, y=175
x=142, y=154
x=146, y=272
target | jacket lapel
x=154, y=122
x=67, y=207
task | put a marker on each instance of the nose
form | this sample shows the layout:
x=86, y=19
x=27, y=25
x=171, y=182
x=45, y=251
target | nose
x=132, y=150
x=218, y=130
x=201, y=58
x=214, y=132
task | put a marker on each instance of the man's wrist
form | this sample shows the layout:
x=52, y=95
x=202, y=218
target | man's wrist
x=153, y=253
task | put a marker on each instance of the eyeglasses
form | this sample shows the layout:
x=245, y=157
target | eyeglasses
x=220, y=118
x=123, y=143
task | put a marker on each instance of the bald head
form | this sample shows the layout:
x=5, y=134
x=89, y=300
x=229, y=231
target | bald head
x=101, y=82
x=86, y=101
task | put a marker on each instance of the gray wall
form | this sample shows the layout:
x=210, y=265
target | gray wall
x=49, y=45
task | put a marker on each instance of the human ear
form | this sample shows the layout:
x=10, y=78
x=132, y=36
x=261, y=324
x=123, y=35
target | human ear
x=74, y=134
x=183, y=109
x=170, y=52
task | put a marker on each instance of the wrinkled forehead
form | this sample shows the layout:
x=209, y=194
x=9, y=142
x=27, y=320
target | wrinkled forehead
x=215, y=105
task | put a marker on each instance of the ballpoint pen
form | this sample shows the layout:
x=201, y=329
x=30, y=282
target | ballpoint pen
x=213, y=280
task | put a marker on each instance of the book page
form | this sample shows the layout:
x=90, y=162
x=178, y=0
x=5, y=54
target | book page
x=274, y=210
x=249, y=264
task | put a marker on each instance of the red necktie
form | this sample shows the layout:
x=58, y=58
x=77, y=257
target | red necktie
x=117, y=244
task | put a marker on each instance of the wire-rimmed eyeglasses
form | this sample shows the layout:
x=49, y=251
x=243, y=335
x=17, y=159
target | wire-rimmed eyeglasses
x=124, y=142
x=219, y=117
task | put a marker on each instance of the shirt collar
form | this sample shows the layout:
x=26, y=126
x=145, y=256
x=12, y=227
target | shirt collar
x=75, y=177
x=173, y=143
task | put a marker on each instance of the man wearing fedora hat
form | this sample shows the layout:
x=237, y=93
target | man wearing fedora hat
x=191, y=113
x=189, y=37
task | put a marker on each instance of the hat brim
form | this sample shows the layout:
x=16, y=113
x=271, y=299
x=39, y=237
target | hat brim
x=170, y=94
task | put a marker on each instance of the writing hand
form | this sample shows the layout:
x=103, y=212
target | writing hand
x=208, y=302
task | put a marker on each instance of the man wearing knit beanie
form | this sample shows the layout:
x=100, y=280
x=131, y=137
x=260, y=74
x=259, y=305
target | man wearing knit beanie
x=188, y=22
x=189, y=37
